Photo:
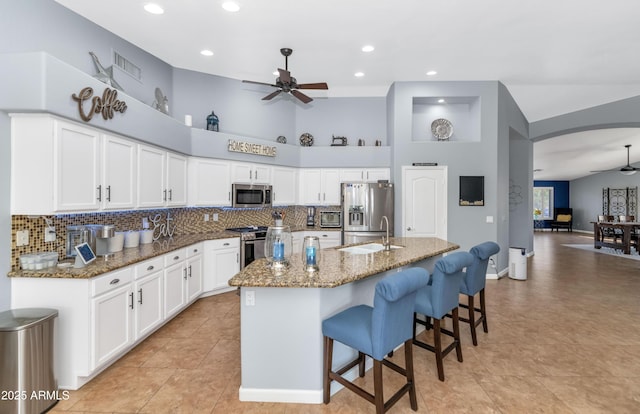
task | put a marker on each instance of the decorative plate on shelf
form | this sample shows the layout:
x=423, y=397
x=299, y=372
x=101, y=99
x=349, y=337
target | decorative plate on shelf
x=306, y=139
x=442, y=129
x=281, y=139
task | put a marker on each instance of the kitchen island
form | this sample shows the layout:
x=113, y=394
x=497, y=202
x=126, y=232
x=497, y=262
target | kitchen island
x=282, y=313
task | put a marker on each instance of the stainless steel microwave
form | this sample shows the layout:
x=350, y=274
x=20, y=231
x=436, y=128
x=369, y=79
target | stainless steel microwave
x=251, y=195
x=330, y=219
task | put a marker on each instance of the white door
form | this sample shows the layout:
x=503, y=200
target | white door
x=284, y=186
x=330, y=186
x=209, y=182
x=310, y=186
x=424, y=195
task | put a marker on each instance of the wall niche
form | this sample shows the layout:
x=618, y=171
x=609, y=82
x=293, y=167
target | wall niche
x=463, y=112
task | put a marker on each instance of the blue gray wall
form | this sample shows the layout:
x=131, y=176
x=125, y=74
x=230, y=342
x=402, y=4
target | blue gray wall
x=586, y=195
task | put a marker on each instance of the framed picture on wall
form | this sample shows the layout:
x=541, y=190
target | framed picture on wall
x=472, y=190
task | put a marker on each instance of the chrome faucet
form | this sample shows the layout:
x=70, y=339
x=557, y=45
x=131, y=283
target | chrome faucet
x=385, y=240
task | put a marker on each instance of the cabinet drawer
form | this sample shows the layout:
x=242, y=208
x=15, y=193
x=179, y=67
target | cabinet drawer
x=174, y=257
x=110, y=281
x=194, y=249
x=223, y=243
x=149, y=266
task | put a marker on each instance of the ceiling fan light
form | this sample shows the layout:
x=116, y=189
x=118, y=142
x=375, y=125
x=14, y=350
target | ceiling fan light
x=368, y=48
x=627, y=172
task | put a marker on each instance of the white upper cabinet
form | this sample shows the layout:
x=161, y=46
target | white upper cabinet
x=176, y=179
x=151, y=173
x=246, y=173
x=60, y=166
x=162, y=178
x=118, y=172
x=319, y=186
x=209, y=182
x=285, y=184
x=367, y=175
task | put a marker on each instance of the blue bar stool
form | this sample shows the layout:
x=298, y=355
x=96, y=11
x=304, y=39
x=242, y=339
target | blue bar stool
x=438, y=299
x=376, y=331
x=473, y=283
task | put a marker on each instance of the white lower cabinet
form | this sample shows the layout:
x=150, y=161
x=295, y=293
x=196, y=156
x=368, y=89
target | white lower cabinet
x=221, y=263
x=194, y=272
x=147, y=291
x=182, y=278
x=112, y=311
x=327, y=238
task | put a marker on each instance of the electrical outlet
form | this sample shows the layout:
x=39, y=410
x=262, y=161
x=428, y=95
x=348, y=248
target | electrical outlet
x=215, y=216
x=250, y=298
x=489, y=219
x=49, y=234
x=22, y=238
x=206, y=217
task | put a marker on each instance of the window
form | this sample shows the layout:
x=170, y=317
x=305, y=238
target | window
x=543, y=201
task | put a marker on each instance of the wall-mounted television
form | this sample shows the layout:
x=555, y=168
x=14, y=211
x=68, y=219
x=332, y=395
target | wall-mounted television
x=472, y=190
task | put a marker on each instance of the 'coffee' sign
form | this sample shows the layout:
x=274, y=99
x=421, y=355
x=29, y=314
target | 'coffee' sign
x=105, y=105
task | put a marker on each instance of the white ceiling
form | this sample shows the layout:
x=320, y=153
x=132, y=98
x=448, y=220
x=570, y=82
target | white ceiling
x=554, y=56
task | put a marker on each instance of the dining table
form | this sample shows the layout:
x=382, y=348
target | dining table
x=615, y=234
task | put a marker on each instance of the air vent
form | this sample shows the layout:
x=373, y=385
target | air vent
x=127, y=66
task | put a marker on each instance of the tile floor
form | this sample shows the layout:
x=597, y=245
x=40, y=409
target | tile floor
x=567, y=340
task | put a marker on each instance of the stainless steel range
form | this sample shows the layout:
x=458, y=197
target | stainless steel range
x=251, y=243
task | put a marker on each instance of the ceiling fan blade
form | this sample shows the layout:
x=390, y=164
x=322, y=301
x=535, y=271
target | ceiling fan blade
x=260, y=83
x=319, y=85
x=285, y=76
x=272, y=95
x=304, y=98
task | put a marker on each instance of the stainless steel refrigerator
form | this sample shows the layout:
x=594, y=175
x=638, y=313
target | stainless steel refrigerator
x=363, y=206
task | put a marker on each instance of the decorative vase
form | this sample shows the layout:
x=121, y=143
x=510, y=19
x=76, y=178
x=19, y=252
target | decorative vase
x=277, y=247
x=311, y=253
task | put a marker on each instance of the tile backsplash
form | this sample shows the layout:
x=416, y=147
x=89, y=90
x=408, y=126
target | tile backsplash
x=186, y=220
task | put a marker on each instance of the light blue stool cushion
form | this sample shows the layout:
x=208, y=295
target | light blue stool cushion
x=476, y=274
x=377, y=330
x=438, y=298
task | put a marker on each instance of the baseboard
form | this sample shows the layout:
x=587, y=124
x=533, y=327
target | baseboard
x=282, y=396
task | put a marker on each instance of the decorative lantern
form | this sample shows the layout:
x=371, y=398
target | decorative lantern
x=213, y=122
x=277, y=247
x=311, y=253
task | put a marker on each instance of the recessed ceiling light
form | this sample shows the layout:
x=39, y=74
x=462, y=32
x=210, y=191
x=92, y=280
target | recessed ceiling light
x=432, y=73
x=368, y=48
x=206, y=52
x=440, y=100
x=153, y=8
x=231, y=6
x=358, y=74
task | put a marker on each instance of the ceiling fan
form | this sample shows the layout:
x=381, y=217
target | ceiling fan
x=627, y=169
x=287, y=83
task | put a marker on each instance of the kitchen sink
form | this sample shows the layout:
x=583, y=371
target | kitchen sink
x=366, y=248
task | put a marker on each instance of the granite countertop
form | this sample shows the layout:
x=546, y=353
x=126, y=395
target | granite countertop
x=339, y=268
x=124, y=258
x=134, y=255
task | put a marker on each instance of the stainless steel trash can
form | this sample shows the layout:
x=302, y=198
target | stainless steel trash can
x=27, y=383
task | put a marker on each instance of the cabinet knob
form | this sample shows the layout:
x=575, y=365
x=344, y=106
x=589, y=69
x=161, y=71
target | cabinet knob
x=109, y=193
x=150, y=268
x=409, y=229
x=99, y=188
x=114, y=282
x=176, y=257
x=140, y=296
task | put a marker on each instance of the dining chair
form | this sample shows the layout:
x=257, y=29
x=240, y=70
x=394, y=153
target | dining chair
x=434, y=301
x=473, y=283
x=376, y=331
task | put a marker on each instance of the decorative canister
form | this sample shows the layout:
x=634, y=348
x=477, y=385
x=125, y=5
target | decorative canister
x=311, y=253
